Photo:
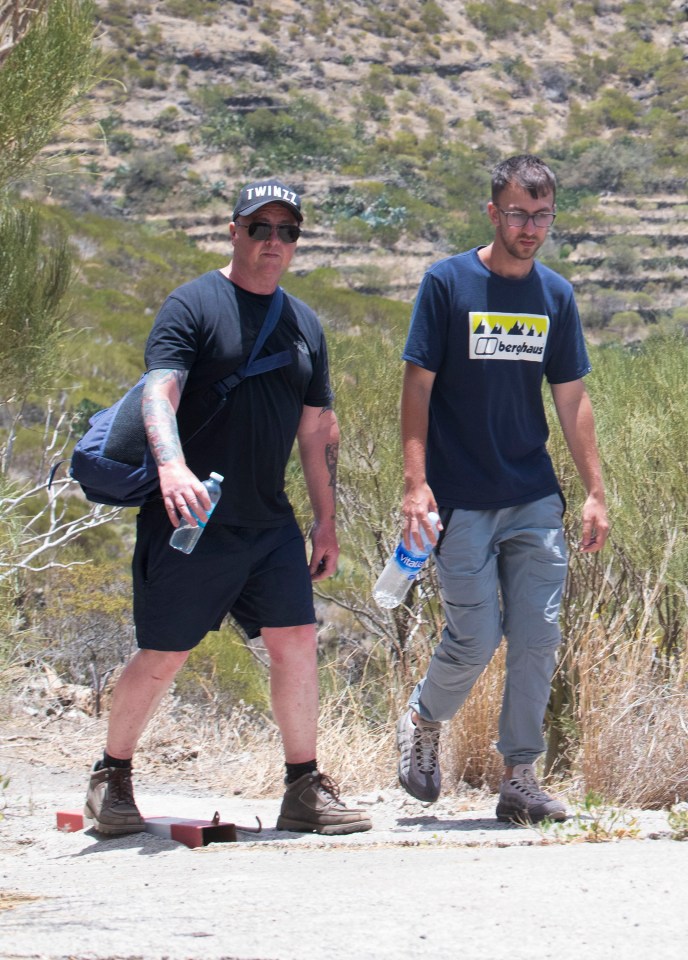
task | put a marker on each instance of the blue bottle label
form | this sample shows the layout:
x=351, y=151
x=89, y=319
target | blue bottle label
x=409, y=563
x=200, y=523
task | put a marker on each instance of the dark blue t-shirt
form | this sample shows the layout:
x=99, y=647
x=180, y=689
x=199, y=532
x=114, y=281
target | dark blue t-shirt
x=491, y=341
x=208, y=326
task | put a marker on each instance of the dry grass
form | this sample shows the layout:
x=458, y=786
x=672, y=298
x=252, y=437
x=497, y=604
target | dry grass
x=469, y=745
x=633, y=722
x=242, y=753
x=630, y=713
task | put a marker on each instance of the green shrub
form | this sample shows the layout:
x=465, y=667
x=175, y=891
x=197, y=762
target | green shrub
x=35, y=264
x=639, y=14
x=626, y=323
x=224, y=671
x=120, y=141
x=200, y=10
x=43, y=78
x=519, y=72
x=270, y=58
x=642, y=425
x=503, y=18
x=433, y=17
x=588, y=167
x=380, y=79
x=167, y=118
x=183, y=152
x=300, y=134
x=150, y=175
x=353, y=230
x=375, y=105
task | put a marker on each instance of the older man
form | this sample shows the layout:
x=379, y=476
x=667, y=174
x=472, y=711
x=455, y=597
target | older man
x=251, y=561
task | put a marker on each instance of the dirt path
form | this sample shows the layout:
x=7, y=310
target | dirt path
x=435, y=882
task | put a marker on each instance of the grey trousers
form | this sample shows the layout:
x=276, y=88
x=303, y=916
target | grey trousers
x=501, y=573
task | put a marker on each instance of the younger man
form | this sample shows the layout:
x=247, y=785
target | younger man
x=488, y=325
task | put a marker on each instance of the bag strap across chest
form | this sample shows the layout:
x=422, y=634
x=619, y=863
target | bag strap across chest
x=252, y=366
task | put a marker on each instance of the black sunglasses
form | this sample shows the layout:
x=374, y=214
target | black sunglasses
x=257, y=230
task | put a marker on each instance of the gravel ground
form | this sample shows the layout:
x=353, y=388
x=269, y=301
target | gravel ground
x=425, y=882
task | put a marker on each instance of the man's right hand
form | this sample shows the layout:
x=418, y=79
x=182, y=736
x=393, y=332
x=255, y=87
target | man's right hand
x=418, y=503
x=183, y=493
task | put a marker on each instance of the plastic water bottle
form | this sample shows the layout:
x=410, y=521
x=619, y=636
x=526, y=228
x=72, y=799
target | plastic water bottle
x=402, y=568
x=185, y=537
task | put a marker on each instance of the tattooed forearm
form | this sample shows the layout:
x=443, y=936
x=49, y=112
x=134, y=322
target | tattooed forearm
x=331, y=457
x=160, y=401
x=163, y=438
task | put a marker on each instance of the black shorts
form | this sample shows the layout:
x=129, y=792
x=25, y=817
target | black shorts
x=259, y=576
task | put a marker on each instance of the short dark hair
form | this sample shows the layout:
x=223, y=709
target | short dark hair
x=526, y=171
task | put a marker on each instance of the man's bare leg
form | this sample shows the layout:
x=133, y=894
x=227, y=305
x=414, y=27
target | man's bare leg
x=311, y=802
x=137, y=695
x=294, y=688
x=110, y=806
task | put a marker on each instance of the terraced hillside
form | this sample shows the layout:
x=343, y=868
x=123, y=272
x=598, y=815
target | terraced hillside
x=634, y=252
x=401, y=94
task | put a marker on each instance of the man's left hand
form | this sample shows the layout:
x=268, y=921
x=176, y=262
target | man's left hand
x=324, y=552
x=595, y=525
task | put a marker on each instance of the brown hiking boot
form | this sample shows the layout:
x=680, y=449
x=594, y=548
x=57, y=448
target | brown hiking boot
x=110, y=806
x=311, y=805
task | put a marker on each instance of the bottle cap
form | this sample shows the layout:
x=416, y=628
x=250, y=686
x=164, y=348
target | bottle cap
x=217, y=476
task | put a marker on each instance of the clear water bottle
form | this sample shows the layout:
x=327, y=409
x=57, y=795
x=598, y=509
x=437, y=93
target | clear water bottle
x=402, y=568
x=185, y=537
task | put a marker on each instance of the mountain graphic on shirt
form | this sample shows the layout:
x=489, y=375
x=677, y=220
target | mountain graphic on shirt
x=507, y=336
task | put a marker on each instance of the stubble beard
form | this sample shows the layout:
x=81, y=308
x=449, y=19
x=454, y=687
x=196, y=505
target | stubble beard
x=512, y=247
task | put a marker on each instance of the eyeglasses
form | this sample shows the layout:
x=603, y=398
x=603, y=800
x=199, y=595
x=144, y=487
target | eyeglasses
x=519, y=218
x=258, y=230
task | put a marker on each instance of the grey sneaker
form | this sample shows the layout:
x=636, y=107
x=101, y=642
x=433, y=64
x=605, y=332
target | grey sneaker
x=311, y=805
x=522, y=800
x=419, y=764
x=110, y=806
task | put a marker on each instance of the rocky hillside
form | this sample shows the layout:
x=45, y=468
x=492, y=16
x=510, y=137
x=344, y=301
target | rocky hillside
x=494, y=78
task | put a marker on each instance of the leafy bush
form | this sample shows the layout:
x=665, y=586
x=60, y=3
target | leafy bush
x=35, y=264
x=151, y=175
x=354, y=230
x=120, y=141
x=622, y=255
x=503, y=18
x=297, y=133
x=433, y=16
x=43, y=78
x=223, y=671
x=590, y=167
x=639, y=14
x=167, y=119
x=84, y=624
x=201, y=10
x=520, y=73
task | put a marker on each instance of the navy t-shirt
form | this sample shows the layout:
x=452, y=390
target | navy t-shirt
x=491, y=341
x=208, y=326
